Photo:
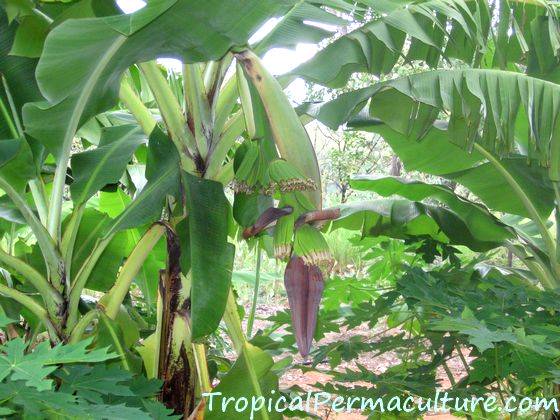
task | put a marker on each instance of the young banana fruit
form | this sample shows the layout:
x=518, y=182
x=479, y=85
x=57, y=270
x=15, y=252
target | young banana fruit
x=293, y=180
x=290, y=136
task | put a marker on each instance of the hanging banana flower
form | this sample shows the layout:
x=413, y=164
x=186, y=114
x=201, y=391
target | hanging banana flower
x=303, y=278
x=304, y=287
x=295, y=238
x=293, y=178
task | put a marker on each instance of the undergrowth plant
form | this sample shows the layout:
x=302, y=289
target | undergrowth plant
x=114, y=174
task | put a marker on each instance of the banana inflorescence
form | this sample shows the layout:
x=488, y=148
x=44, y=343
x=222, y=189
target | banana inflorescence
x=290, y=136
x=289, y=175
x=304, y=286
x=295, y=238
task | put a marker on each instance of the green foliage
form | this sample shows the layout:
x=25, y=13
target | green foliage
x=72, y=382
x=403, y=219
x=34, y=367
x=94, y=169
x=211, y=255
x=429, y=31
x=84, y=178
x=477, y=218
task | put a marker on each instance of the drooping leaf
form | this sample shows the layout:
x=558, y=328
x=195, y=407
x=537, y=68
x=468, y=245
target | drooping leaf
x=432, y=31
x=162, y=174
x=478, y=219
x=96, y=51
x=436, y=152
x=93, y=169
x=501, y=111
x=211, y=253
x=404, y=219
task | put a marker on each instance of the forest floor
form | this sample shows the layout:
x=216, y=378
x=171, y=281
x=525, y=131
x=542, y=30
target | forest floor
x=377, y=364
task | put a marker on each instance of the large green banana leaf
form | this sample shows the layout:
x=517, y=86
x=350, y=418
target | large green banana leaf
x=435, y=155
x=211, y=255
x=429, y=31
x=478, y=220
x=404, y=219
x=506, y=113
x=83, y=59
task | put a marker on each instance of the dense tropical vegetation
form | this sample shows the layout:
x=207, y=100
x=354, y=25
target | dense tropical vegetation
x=130, y=193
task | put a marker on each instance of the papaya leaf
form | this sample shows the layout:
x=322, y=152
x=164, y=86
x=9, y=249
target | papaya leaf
x=34, y=367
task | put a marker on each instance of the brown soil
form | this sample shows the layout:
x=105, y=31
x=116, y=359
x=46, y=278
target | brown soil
x=377, y=364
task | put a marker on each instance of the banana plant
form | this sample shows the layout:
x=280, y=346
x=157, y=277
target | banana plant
x=489, y=124
x=85, y=107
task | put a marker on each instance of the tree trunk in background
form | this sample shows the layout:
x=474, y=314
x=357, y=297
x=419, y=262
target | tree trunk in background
x=396, y=166
x=451, y=184
x=343, y=192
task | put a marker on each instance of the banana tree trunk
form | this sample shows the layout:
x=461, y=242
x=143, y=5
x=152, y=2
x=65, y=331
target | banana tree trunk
x=176, y=366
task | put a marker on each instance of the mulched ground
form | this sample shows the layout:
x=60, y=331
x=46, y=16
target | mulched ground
x=377, y=364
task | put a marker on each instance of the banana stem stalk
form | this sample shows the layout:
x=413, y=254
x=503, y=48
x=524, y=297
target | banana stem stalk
x=198, y=109
x=82, y=277
x=251, y=318
x=223, y=145
x=38, y=192
x=69, y=237
x=133, y=103
x=199, y=352
x=80, y=328
x=114, y=297
x=172, y=115
x=246, y=101
x=8, y=119
x=224, y=104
